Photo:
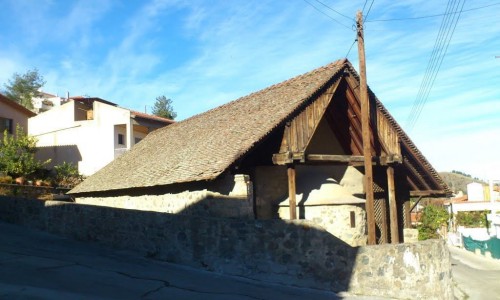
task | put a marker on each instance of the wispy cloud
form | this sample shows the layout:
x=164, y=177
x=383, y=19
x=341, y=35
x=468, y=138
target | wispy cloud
x=203, y=54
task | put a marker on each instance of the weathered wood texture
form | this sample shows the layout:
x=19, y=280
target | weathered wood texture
x=393, y=212
x=292, y=192
x=300, y=130
x=366, y=132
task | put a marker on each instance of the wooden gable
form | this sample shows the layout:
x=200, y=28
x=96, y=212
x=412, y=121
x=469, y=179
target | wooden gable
x=340, y=107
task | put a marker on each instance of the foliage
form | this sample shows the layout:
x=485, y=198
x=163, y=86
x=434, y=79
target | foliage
x=6, y=179
x=472, y=219
x=67, y=175
x=458, y=181
x=22, y=88
x=163, y=108
x=17, y=154
x=433, y=217
x=461, y=173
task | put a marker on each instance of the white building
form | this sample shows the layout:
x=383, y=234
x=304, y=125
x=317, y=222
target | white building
x=89, y=132
x=45, y=102
x=475, y=191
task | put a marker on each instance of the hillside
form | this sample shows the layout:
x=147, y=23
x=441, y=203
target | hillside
x=458, y=181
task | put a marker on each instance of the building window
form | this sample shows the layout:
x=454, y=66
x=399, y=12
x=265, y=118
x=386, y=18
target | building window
x=6, y=124
x=121, y=139
x=137, y=140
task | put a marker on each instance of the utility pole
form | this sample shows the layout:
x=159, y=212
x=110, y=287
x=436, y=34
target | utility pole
x=365, y=126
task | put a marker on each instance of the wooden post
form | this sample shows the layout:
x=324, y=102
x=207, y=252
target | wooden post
x=365, y=124
x=292, y=192
x=393, y=212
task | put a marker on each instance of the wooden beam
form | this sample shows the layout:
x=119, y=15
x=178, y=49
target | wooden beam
x=415, y=204
x=393, y=212
x=352, y=159
x=292, y=192
x=365, y=121
x=428, y=193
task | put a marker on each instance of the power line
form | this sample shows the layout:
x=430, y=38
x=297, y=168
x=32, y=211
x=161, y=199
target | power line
x=335, y=20
x=363, y=10
x=439, y=52
x=369, y=9
x=347, y=17
x=431, y=67
x=350, y=48
x=430, y=16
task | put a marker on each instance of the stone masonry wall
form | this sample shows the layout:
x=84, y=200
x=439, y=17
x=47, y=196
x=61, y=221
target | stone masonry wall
x=290, y=252
x=336, y=219
x=236, y=203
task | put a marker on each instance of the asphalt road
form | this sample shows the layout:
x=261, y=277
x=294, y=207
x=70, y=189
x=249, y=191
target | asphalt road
x=38, y=265
x=475, y=276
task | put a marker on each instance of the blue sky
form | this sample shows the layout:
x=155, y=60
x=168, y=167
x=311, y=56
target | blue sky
x=202, y=54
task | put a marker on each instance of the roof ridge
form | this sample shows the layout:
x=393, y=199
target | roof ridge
x=273, y=86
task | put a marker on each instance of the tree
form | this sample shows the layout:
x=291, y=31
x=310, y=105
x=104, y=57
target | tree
x=17, y=154
x=163, y=108
x=22, y=88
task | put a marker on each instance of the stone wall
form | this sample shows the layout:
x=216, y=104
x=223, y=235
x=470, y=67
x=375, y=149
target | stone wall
x=299, y=252
x=325, y=196
x=347, y=222
x=229, y=197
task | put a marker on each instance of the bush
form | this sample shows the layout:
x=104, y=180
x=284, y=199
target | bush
x=17, y=154
x=472, y=219
x=433, y=217
x=67, y=175
x=5, y=179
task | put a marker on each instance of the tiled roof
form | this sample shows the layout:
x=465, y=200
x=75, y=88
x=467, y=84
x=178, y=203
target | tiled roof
x=151, y=117
x=205, y=145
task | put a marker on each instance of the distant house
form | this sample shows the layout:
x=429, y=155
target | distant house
x=299, y=139
x=11, y=115
x=45, y=101
x=89, y=132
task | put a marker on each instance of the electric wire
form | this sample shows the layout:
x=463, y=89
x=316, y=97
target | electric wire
x=330, y=8
x=426, y=96
x=364, y=5
x=332, y=18
x=369, y=9
x=430, y=64
x=430, y=16
x=350, y=48
x=441, y=45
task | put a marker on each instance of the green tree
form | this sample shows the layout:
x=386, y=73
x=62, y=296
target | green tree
x=433, y=218
x=22, y=88
x=163, y=108
x=17, y=154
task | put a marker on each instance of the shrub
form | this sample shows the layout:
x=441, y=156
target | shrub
x=433, y=217
x=17, y=154
x=475, y=219
x=67, y=175
x=5, y=179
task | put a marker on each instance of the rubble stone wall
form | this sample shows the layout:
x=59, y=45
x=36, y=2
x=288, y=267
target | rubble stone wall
x=297, y=253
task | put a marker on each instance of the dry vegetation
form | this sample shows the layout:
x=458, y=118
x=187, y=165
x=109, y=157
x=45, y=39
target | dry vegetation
x=458, y=181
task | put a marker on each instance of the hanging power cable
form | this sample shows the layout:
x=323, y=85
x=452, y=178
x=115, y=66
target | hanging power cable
x=336, y=11
x=333, y=19
x=445, y=34
x=429, y=16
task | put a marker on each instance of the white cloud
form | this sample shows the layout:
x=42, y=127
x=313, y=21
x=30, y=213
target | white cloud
x=203, y=54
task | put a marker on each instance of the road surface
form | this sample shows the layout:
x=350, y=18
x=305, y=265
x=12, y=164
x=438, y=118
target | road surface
x=38, y=265
x=475, y=276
